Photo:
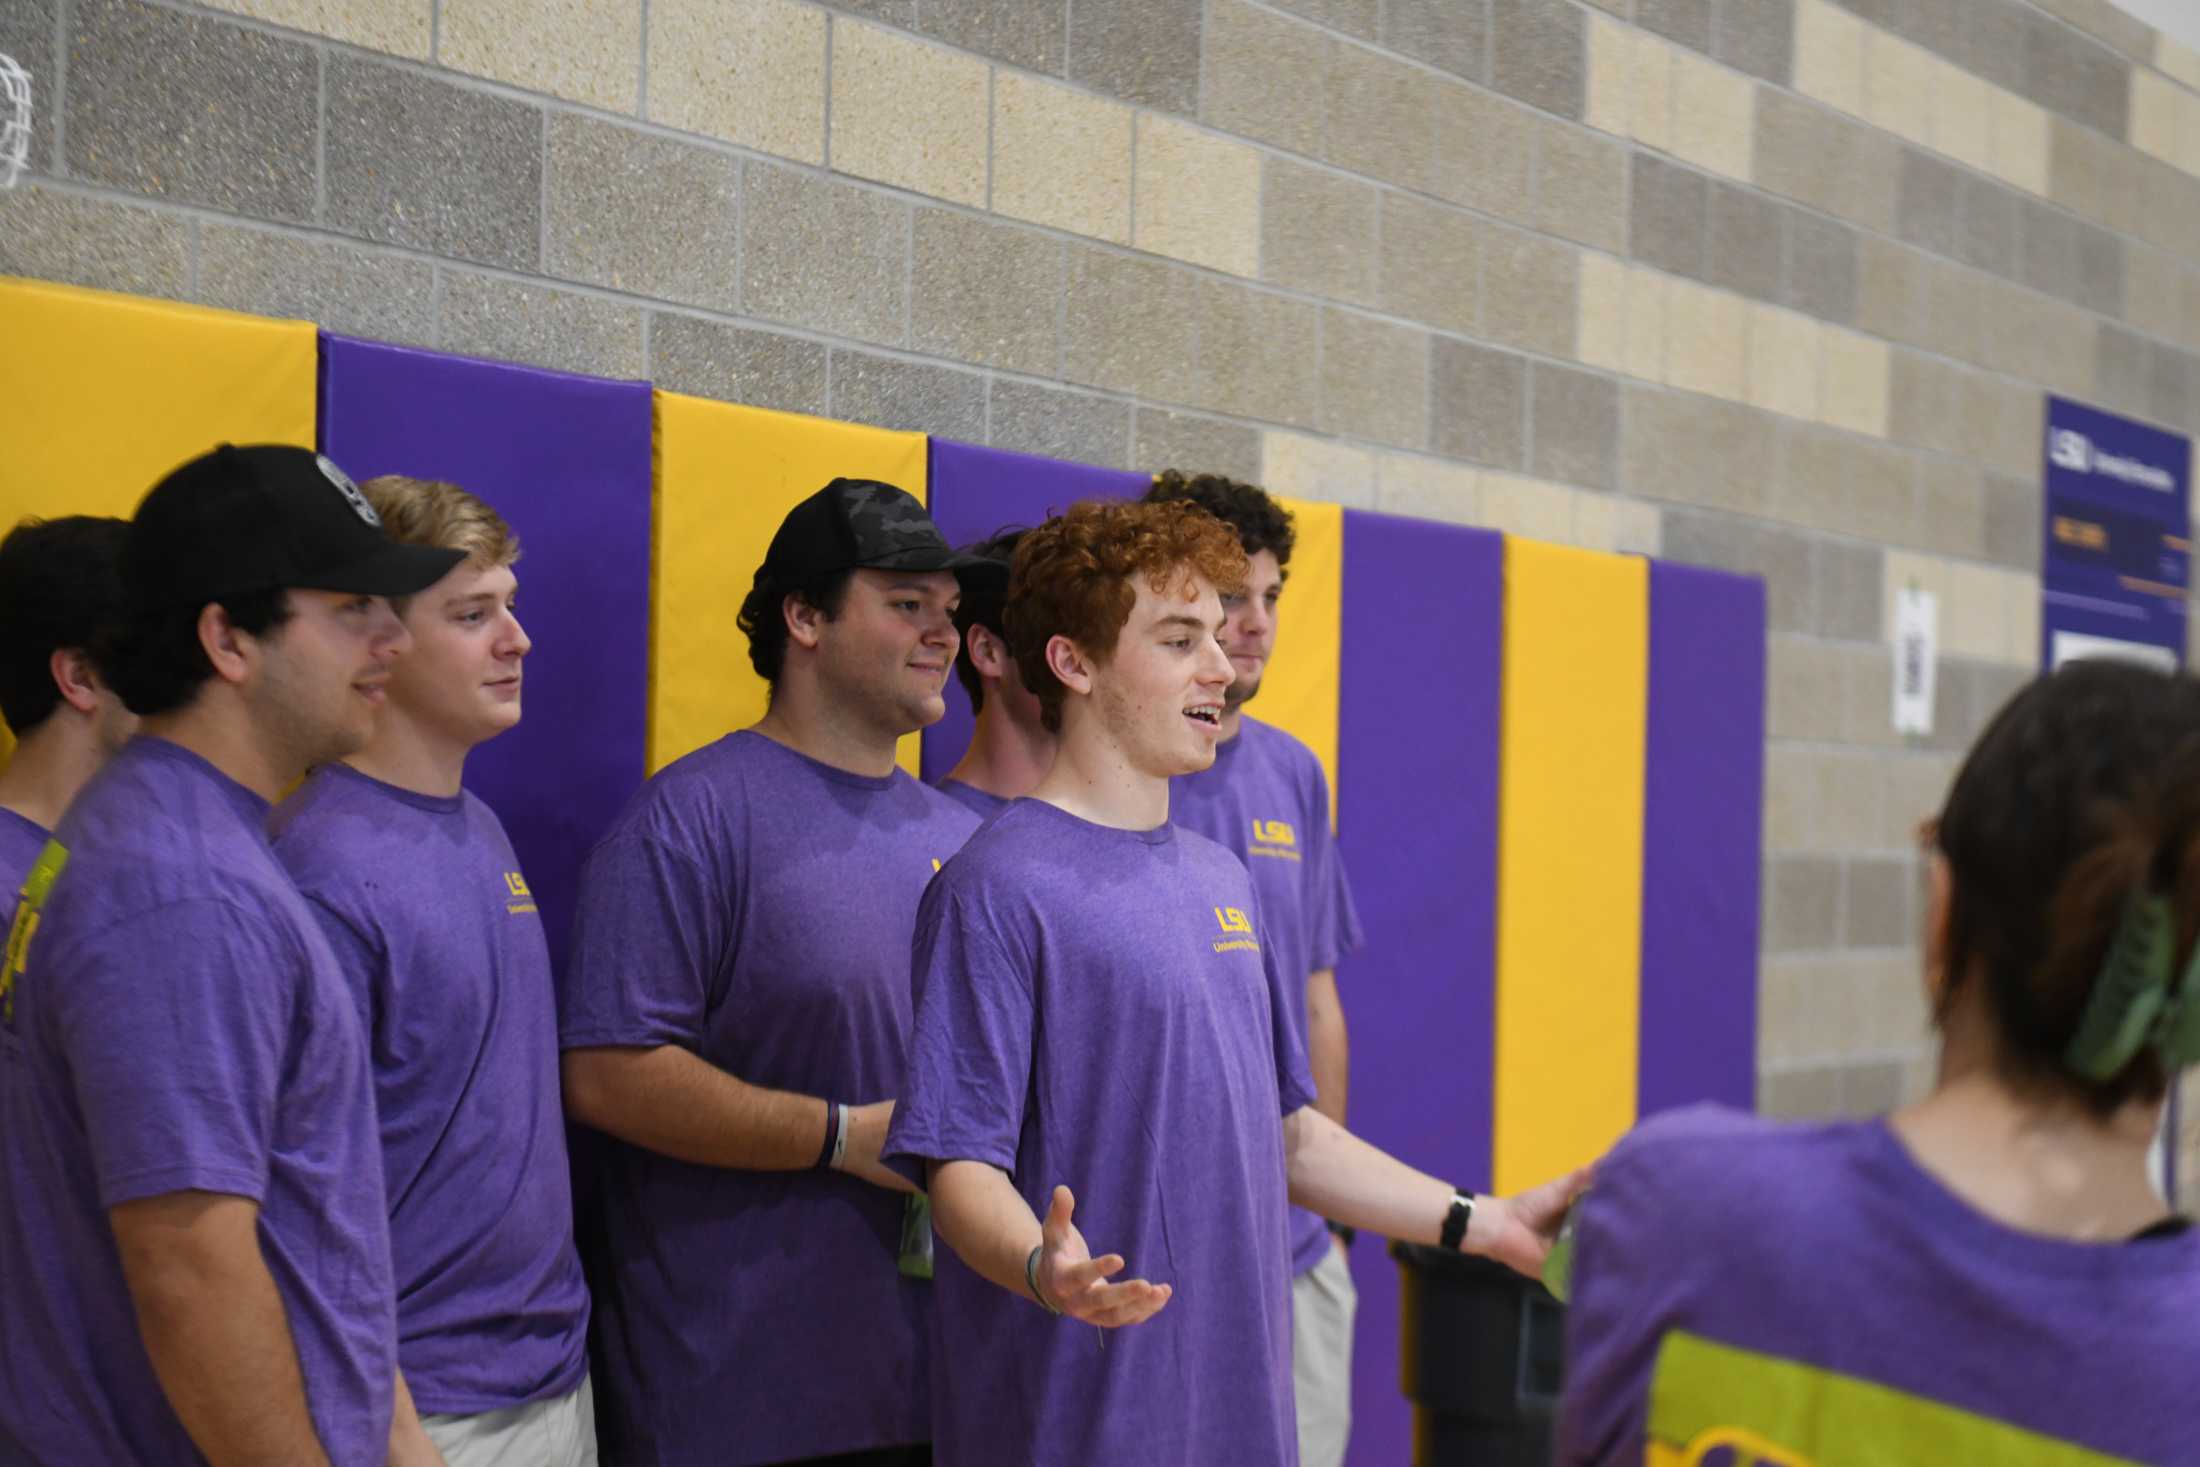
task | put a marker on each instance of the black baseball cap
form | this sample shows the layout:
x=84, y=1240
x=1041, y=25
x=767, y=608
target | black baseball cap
x=267, y=517
x=859, y=524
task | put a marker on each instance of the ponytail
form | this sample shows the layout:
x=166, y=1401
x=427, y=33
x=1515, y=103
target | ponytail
x=2073, y=842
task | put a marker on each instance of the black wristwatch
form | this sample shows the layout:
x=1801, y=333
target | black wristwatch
x=1456, y=1220
x=1345, y=1234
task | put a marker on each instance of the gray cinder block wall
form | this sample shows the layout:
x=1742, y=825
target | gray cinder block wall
x=1774, y=285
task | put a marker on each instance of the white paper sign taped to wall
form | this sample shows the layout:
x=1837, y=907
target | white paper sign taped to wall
x=1916, y=650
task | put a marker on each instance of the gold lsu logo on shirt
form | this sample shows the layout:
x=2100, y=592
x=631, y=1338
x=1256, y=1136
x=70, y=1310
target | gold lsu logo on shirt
x=29, y=902
x=1275, y=838
x=1237, y=931
x=517, y=898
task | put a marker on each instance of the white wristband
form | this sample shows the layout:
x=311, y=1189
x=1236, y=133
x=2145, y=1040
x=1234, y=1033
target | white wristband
x=840, y=1136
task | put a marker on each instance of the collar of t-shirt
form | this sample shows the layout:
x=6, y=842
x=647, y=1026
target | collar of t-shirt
x=823, y=770
x=152, y=749
x=433, y=804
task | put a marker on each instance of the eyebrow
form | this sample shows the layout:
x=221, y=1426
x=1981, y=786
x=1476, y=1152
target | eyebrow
x=1181, y=619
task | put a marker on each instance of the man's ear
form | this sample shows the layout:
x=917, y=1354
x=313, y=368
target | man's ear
x=76, y=678
x=987, y=652
x=805, y=623
x=1067, y=661
x=232, y=650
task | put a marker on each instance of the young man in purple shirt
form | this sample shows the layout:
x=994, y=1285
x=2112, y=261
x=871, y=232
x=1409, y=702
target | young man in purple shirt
x=192, y=1224
x=1101, y=1025
x=60, y=596
x=1266, y=800
x=1010, y=747
x=735, y=1015
x=428, y=913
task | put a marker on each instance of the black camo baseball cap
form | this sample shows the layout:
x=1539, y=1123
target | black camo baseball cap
x=858, y=524
x=265, y=518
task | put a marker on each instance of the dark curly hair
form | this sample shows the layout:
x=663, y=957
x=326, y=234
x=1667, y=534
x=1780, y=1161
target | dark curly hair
x=156, y=662
x=2083, y=791
x=1260, y=522
x=1074, y=578
x=763, y=617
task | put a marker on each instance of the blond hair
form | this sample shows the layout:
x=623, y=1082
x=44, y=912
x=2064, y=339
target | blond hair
x=429, y=512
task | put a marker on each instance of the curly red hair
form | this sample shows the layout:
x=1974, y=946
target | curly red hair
x=1073, y=578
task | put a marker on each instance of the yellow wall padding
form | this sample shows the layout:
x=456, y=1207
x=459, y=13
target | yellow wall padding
x=726, y=477
x=1569, y=884
x=100, y=394
x=1298, y=693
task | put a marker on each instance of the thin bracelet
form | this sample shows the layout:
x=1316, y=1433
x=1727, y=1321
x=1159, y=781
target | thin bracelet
x=840, y=1138
x=826, y=1154
x=1031, y=1277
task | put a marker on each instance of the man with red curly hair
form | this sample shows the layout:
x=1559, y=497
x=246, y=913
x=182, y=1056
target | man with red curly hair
x=1098, y=1016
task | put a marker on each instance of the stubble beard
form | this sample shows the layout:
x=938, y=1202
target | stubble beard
x=299, y=735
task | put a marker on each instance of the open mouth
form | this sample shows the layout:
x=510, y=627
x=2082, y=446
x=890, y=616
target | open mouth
x=1209, y=714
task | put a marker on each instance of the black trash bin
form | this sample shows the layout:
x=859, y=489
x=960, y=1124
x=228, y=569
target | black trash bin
x=1479, y=1357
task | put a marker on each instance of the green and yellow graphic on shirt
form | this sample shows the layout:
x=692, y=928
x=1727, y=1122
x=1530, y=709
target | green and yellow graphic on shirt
x=29, y=902
x=1712, y=1405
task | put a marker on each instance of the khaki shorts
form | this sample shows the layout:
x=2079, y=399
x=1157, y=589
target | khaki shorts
x=1323, y=1303
x=560, y=1432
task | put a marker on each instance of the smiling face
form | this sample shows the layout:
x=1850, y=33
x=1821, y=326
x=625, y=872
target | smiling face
x=886, y=656
x=316, y=681
x=1249, y=626
x=460, y=684
x=1159, y=694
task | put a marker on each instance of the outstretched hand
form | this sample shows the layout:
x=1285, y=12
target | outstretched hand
x=1076, y=1283
x=1518, y=1231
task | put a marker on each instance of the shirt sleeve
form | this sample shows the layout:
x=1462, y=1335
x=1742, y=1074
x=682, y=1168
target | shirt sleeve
x=1334, y=923
x=970, y=1050
x=1294, y=1077
x=362, y=957
x=651, y=929
x=177, y=1028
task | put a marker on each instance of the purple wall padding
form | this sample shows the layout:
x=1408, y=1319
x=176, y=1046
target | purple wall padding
x=974, y=494
x=1417, y=773
x=1702, y=827
x=567, y=460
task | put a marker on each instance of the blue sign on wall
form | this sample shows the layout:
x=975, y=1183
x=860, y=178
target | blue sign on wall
x=2118, y=548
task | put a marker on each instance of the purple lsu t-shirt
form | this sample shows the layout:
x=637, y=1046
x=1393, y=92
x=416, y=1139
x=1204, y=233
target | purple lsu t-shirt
x=21, y=839
x=180, y=1025
x=754, y=906
x=1265, y=799
x=978, y=802
x=431, y=921
x=1740, y=1276
x=1095, y=1009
